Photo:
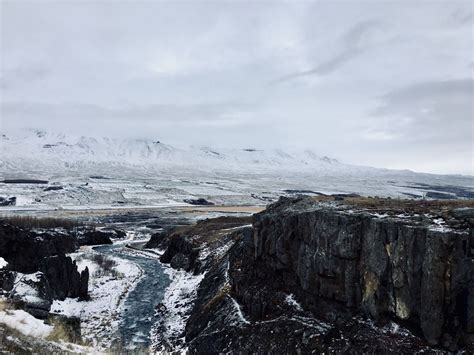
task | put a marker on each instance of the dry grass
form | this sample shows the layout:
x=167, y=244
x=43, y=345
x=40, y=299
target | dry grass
x=30, y=222
x=4, y=306
x=59, y=332
x=418, y=206
x=223, y=292
x=106, y=265
x=224, y=209
x=212, y=230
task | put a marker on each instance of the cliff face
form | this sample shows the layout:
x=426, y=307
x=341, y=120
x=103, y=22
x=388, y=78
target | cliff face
x=337, y=262
x=370, y=276
x=25, y=250
x=28, y=252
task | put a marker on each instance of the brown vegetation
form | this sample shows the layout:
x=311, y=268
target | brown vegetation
x=414, y=206
x=30, y=222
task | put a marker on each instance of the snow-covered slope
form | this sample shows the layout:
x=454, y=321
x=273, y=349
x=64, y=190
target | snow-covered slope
x=86, y=171
x=59, y=152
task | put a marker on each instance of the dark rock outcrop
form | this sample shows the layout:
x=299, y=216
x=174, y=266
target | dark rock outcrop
x=115, y=233
x=25, y=250
x=439, y=195
x=158, y=240
x=7, y=279
x=332, y=277
x=180, y=261
x=338, y=263
x=63, y=277
x=8, y=201
x=53, y=188
x=95, y=237
x=183, y=244
x=56, y=277
x=24, y=181
x=199, y=202
x=181, y=252
x=275, y=322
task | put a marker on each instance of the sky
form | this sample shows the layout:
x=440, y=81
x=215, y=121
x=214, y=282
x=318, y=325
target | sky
x=376, y=83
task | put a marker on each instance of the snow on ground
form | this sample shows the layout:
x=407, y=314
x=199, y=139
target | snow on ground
x=107, y=173
x=178, y=301
x=100, y=316
x=290, y=299
x=3, y=263
x=439, y=225
x=390, y=328
x=40, y=336
x=218, y=251
x=238, y=311
x=25, y=323
x=379, y=215
x=25, y=289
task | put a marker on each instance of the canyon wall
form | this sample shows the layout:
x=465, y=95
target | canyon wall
x=338, y=262
x=332, y=276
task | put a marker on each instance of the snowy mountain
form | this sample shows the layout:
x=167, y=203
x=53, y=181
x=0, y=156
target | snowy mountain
x=61, y=152
x=87, y=171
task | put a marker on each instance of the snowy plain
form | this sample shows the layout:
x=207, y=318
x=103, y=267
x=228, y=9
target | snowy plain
x=93, y=173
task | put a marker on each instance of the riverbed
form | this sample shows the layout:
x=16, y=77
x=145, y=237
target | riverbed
x=138, y=315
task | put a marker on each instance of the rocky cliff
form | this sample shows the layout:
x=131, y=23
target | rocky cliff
x=343, y=276
x=390, y=267
x=39, y=264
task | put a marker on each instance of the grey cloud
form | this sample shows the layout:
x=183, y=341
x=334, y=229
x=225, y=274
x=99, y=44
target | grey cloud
x=462, y=16
x=431, y=111
x=352, y=43
x=199, y=73
x=355, y=36
x=20, y=76
x=210, y=114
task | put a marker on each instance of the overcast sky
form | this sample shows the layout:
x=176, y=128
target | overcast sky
x=387, y=84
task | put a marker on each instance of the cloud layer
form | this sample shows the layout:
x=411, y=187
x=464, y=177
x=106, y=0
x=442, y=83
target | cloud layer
x=382, y=84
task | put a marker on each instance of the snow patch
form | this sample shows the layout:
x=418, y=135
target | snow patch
x=25, y=323
x=380, y=215
x=101, y=315
x=290, y=299
x=177, y=301
x=238, y=311
x=439, y=225
x=24, y=288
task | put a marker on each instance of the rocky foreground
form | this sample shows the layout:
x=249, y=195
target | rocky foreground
x=318, y=275
x=36, y=270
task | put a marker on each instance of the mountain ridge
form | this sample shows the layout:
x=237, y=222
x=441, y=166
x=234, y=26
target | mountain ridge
x=43, y=146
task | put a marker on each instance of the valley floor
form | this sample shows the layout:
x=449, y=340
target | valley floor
x=190, y=300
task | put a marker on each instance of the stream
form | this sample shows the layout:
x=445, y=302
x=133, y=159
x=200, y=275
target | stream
x=138, y=315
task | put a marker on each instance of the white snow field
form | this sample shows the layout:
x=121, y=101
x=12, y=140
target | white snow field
x=85, y=172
